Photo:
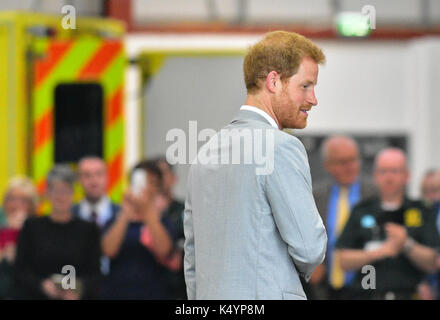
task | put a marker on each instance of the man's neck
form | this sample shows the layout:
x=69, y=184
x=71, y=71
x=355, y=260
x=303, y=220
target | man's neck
x=93, y=201
x=346, y=185
x=392, y=201
x=262, y=104
x=61, y=216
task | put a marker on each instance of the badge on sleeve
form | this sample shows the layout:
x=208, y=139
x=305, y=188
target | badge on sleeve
x=368, y=221
x=413, y=218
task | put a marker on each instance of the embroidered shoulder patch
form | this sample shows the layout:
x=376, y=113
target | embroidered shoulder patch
x=413, y=218
x=368, y=221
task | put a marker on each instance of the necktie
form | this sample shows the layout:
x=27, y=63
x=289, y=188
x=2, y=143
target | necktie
x=337, y=275
x=94, y=216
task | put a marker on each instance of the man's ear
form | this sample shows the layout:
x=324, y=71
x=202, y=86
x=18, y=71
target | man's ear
x=273, y=81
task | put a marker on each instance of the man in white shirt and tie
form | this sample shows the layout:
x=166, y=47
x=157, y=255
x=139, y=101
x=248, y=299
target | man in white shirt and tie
x=96, y=205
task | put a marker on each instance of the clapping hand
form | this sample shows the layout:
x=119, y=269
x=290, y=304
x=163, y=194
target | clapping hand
x=51, y=289
x=129, y=211
x=396, y=233
x=148, y=203
x=145, y=206
x=396, y=237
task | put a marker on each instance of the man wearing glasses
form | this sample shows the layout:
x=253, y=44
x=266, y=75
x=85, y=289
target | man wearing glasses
x=334, y=199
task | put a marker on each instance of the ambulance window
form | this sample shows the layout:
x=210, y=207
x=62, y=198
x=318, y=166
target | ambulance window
x=78, y=121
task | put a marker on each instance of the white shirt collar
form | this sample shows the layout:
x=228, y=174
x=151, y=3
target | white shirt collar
x=261, y=113
x=101, y=208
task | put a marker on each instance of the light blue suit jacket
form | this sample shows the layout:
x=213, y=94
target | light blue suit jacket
x=249, y=235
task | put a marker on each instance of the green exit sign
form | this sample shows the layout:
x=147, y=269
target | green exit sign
x=353, y=24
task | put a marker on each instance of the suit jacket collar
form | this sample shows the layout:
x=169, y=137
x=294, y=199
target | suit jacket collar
x=246, y=115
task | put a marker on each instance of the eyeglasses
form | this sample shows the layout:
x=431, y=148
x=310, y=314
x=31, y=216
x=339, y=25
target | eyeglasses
x=344, y=162
x=390, y=170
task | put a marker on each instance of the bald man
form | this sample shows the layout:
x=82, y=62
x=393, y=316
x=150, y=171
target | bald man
x=391, y=233
x=340, y=156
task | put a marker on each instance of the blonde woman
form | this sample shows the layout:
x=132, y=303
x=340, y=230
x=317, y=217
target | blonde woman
x=19, y=203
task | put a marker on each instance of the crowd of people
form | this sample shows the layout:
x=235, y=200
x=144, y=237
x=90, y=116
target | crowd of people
x=373, y=222
x=94, y=249
x=134, y=250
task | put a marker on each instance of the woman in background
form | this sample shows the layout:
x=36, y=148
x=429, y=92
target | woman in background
x=19, y=203
x=58, y=256
x=139, y=242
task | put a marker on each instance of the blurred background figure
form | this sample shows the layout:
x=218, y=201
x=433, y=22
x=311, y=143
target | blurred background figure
x=430, y=187
x=48, y=244
x=96, y=205
x=58, y=104
x=139, y=242
x=19, y=203
x=174, y=212
x=334, y=198
x=394, y=234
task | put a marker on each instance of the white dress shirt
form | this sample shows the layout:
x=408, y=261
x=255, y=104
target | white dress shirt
x=261, y=113
x=102, y=208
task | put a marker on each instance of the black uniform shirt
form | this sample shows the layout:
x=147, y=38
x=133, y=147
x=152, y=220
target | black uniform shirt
x=365, y=230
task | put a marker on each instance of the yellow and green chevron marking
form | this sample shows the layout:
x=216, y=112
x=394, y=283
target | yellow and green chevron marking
x=88, y=59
